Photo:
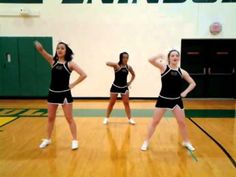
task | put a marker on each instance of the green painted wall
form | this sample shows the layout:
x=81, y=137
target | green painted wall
x=23, y=71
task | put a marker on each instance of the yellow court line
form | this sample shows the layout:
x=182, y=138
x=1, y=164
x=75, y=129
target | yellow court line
x=4, y=120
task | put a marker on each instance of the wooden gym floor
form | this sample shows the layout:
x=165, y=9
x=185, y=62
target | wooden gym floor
x=114, y=149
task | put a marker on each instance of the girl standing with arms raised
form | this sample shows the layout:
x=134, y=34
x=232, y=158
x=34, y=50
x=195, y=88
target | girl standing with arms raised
x=120, y=86
x=60, y=88
x=170, y=95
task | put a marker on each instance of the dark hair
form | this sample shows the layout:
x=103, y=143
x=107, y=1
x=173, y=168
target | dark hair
x=69, y=52
x=121, y=57
x=169, y=53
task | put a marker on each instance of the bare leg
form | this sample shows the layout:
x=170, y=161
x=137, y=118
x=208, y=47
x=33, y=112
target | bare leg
x=112, y=101
x=52, y=108
x=125, y=99
x=180, y=117
x=67, y=108
x=158, y=113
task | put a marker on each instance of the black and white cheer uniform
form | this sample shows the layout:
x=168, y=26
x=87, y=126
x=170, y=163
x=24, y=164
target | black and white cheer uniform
x=120, y=83
x=171, y=89
x=59, y=91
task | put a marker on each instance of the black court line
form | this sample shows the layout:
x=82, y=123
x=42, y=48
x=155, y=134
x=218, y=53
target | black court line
x=218, y=144
x=10, y=121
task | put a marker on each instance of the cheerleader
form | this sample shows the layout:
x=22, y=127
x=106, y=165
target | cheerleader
x=171, y=95
x=120, y=86
x=60, y=88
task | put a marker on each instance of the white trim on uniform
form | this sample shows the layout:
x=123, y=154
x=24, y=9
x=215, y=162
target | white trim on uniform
x=127, y=67
x=169, y=98
x=117, y=70
x=61, y=91
x=66, y=68
x=180, y=73
x=176, y=106
x=65, y=101
x=123, y=67
x=173, y=70
x=126, y=92
x=64, y=65
x=119, y=86
x=55, y=64
x=166, y=72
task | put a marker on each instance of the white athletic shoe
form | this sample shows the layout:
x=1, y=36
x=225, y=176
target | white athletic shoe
x=105, y=121
x=74, y=144
x=144, y=147
x=131, y=121
x=44, y=143
x=189, y=146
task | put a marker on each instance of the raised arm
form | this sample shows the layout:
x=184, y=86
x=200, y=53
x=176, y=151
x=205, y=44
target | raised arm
x=191, y=82
x=158, y=62
x=43, y=52
x=114, y=65
x=74, y=67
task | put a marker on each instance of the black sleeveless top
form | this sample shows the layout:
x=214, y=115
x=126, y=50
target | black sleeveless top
x=60, y=77
x=171, y=83
x=121, y=77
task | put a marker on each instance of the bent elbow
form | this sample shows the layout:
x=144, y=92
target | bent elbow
x=85, y=76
